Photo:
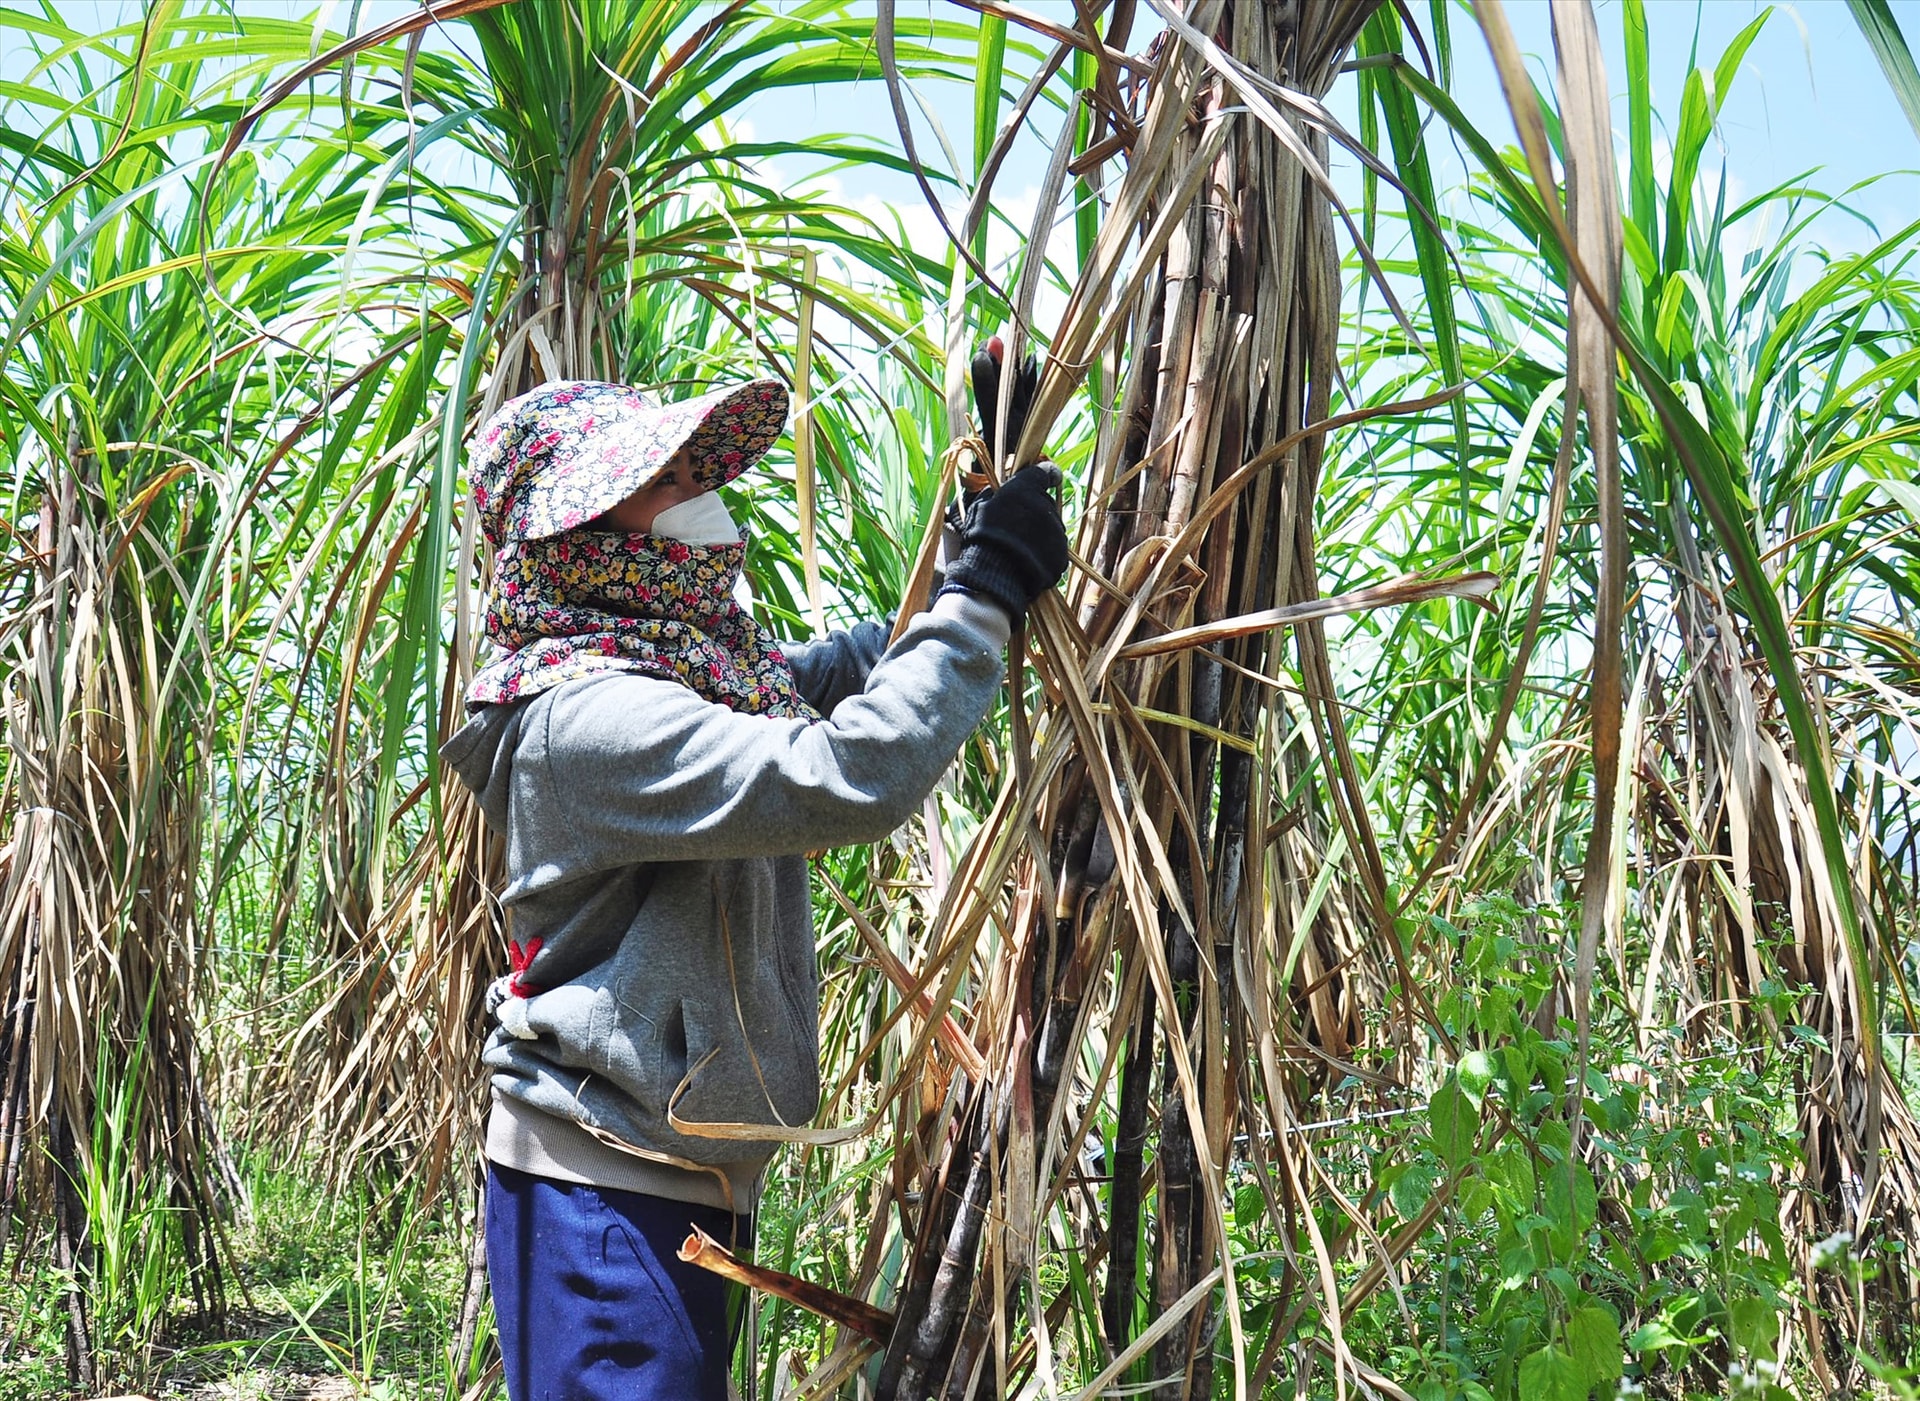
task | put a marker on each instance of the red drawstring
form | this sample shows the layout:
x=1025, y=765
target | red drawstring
x=522, y=959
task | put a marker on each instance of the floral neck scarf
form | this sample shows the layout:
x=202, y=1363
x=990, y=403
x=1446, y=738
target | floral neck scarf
x=586, y=602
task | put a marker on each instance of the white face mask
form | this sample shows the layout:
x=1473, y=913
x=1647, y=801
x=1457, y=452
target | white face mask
x=699, y=520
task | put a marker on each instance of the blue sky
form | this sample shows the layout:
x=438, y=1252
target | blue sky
x=1809, y=95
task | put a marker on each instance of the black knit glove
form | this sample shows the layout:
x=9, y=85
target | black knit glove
x=987, y=388
x=1013, y=546
x=985, y=375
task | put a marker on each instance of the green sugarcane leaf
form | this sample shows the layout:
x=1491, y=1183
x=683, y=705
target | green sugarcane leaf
x=1883, y=36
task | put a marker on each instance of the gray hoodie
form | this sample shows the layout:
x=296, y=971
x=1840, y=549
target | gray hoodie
x=656, y=873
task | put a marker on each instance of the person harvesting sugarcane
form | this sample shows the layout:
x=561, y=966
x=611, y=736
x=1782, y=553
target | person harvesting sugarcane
x=658, y=767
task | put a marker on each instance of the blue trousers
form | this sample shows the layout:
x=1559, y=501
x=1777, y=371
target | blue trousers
x=590, y=1296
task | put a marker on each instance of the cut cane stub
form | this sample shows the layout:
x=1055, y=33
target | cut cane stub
x=856, y=1315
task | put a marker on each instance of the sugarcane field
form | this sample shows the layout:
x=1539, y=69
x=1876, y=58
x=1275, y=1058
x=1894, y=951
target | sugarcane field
x=841, y=700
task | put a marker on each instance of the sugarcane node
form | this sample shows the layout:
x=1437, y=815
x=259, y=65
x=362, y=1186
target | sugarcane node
x=1133, y=569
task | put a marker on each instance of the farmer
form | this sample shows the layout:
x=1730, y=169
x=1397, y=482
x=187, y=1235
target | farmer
x=658, y=767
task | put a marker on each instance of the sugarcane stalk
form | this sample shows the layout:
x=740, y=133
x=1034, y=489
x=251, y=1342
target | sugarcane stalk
x=863, y=1318
x=1176, y=1164
x=929, y=1350
x=938, y=1211
x=970, y=1353
x=1129, y=1161
x=70, y=1252
x=1246, y=588
x=1131, y=428
x=14, y=1107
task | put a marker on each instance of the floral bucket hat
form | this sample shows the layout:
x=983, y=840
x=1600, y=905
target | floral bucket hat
x=558, y=456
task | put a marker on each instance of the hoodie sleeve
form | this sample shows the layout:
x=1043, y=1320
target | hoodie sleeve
x=836, y=666
x=626, y=769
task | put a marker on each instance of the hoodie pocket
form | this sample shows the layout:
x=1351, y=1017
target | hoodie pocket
x=756, y=1074
x=642, y=1049
x=771, y=1004
x=802, y=1002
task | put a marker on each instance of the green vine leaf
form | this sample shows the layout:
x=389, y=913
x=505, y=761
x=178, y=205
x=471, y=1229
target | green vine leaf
x=1551, y=1374
x=1454, y=1123
x=1593, y=1338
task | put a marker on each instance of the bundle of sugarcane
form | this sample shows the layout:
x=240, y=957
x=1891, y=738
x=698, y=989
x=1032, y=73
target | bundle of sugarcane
x=1132, y=868
x=1148, y=856
x=102, y=936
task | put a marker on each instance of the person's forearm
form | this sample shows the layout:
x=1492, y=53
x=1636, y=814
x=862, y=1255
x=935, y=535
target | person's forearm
x=633, y=769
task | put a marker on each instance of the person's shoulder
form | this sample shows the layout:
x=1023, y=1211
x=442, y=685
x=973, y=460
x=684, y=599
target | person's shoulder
x=615, y=682
x=622, y=700
x=620, y=692
x=617, y=714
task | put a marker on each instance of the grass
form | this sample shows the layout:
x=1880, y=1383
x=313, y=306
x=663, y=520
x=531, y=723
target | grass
x=336, y=1295
x=356, y=1295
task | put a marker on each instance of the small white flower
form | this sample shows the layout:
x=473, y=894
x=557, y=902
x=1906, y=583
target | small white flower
x=1630, y=1390
x=1754, y=1375
x=1832, y=1252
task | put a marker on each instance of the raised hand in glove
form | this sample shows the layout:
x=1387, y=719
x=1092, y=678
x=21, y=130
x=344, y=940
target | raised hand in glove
x=988, y=384
x=1013, y=546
